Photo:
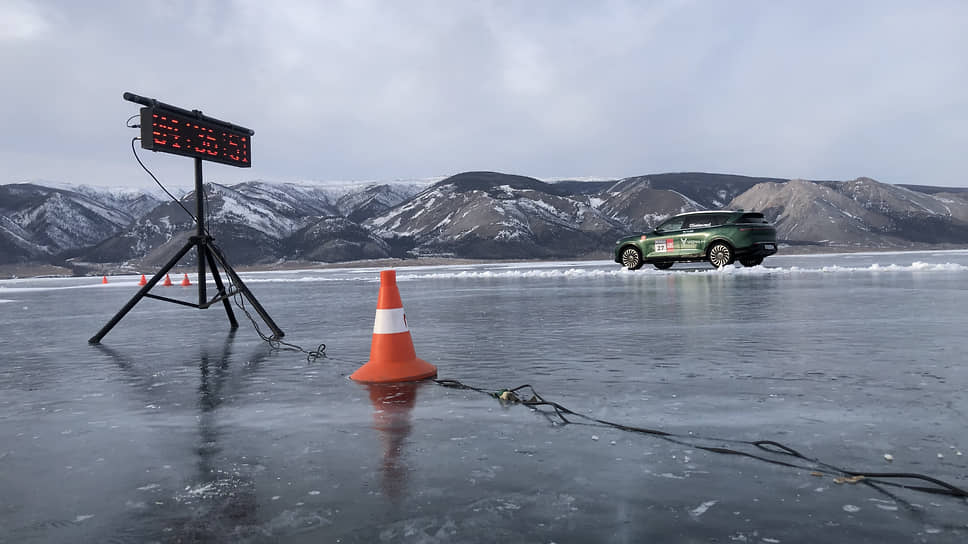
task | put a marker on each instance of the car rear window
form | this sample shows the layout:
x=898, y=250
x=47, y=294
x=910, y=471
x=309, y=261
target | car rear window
x=752, y=218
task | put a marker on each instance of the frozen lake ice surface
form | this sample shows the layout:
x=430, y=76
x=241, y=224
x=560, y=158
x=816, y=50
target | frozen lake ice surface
x=175, y=429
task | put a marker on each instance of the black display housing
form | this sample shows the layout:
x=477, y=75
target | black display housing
x=194, y=136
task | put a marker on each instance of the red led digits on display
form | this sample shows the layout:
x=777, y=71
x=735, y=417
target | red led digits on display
x=190, y=137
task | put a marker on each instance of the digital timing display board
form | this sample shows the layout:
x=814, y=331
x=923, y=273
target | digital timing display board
x=195, y=136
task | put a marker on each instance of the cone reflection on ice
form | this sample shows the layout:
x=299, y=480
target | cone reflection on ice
x=392, y=357
x=392, y=404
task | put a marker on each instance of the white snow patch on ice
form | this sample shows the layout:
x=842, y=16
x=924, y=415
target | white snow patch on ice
x=98, y=285
x=801, y=265
x=701, y=509
x=567, y=270
x=201, y=489
x=728, y=271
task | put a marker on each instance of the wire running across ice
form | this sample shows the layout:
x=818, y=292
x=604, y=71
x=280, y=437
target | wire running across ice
x=560, y=415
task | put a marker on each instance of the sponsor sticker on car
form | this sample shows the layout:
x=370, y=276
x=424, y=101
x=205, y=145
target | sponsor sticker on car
x=661, y=246
x=690, y=243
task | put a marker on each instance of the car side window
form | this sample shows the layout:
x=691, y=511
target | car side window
x=673, y=224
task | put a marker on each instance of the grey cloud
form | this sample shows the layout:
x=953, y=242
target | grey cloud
x=381, y=89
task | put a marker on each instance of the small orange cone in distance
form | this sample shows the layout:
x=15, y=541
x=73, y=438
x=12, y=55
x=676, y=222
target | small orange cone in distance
x=143, y=280
x=392, y=357
x=167, y=281
x=185, y=282
x=104, y=279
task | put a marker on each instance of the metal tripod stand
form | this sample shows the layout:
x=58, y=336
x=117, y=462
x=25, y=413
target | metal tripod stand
x=208, y=253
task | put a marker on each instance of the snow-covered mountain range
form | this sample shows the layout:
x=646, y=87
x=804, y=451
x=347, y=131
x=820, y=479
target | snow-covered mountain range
x=473, y=214
x=39, y=223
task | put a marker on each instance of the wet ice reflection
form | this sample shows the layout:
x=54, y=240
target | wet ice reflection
x=392, y=405
x=174, y=430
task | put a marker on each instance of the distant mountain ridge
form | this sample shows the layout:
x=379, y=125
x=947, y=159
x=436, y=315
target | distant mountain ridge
x=860, y=213
x=488, y=215
x=481, y=215
x=38, y=223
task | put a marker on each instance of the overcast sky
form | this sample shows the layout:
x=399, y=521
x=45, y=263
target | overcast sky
x=404, y=89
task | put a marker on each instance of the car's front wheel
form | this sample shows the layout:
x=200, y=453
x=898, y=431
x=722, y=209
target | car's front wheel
x=631, y=258
x=751, y=261
x=662, y=266
x=720, y=255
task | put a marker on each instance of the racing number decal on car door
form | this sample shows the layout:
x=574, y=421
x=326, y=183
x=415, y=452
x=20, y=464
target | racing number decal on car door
x=664, y=246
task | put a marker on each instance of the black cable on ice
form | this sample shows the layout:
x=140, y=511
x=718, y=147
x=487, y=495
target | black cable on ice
x=798, y=460
x=275, y=344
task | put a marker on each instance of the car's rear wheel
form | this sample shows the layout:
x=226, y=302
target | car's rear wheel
x=631, y=258
x=751, y=261
x=662, y=266
x=720, y=255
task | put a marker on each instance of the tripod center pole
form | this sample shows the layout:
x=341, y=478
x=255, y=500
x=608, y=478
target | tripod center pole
x=200, y=230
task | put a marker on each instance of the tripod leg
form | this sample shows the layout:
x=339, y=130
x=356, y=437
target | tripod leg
x=240, y=285
x=221, y=290
x=96, y=339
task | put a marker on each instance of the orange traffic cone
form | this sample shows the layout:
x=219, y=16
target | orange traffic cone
x=392, y=357
x=167, y=281
x=185, y=282
x=104, y=279
x=143, y=280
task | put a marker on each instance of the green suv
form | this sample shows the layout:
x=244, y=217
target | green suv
x=719, y=237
